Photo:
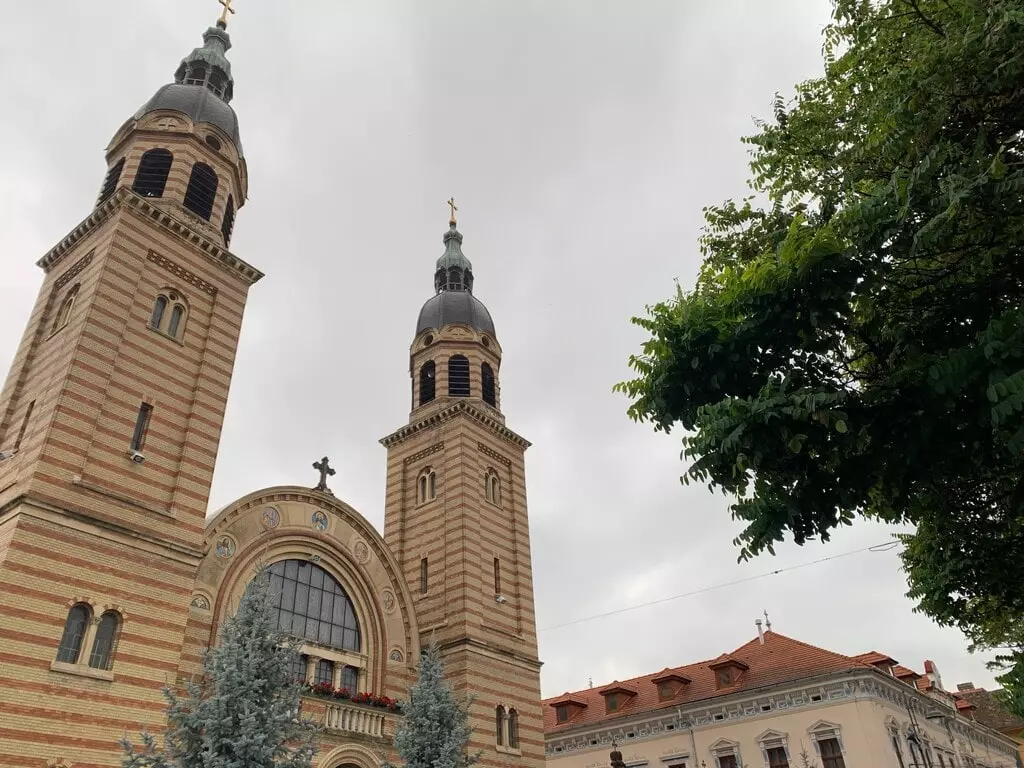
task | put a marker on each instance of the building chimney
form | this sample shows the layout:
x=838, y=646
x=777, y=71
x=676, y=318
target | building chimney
x=760, y=631
x=965, y=686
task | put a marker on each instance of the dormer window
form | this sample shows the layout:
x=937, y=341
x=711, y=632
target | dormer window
x=566, y=708
x=727, y=672
x=562, y=713
x=616, y=697
x=670, y=685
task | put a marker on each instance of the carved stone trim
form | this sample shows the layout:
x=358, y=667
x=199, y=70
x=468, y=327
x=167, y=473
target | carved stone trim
x=449, y=413
x=428, y=451
x=486, y=451
x=76, y=269
x=181, y=273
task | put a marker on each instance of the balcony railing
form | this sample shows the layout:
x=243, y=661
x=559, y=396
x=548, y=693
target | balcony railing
x=349, y=718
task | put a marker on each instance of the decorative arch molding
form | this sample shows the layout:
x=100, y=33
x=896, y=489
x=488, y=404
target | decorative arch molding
x=350, y=754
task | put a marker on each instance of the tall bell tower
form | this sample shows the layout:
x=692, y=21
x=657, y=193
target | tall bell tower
x=110, y=421
x=455, y=517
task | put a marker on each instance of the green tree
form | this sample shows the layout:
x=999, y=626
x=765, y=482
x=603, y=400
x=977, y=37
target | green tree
x=435, y=731
x=244, y=711
x=854, y=344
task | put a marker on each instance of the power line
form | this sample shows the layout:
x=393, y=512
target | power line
x=883, y=547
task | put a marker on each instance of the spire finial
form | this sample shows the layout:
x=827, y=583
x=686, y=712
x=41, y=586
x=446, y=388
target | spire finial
x=767, y=621
x=451, y=204
x=223, y=20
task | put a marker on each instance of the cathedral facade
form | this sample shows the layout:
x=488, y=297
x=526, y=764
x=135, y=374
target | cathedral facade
x=114, y=579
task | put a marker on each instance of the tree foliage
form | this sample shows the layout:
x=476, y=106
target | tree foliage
x=244, y=711
x=436, y=731
x=854, y=344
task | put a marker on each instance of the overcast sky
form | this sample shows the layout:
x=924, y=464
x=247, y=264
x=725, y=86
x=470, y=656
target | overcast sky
x=581, y=139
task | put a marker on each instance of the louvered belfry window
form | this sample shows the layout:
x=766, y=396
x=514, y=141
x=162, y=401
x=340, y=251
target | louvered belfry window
x=458, y=376
x=151, y=177
x=202, y=191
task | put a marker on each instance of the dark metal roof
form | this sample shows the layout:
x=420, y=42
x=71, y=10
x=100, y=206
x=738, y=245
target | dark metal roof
x=200, y=104
x=451, y=307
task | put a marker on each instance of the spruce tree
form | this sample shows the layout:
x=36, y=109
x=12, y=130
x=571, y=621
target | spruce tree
x=244, y=711
x=435, y=732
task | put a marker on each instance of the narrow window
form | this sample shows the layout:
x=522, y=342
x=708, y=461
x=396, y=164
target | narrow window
x=726, y=761
x=562, y=713
x=103, y=645
x=777, y=757
x=487, y=382
x=426, y=486
x=228, y=224
x=513, y=729
x=458, y=376
x=497, y=576
x=24, y=425
x=423, y=575
x=154, y=168
x=422, y=492
x=64, y=313
x=74, y=631
x=159, y=307
x=431, y=485
x=202, y=191
x=110, y=182
x=141, y=426
x=831, y=754
x=427, y=388
x=493, y=488
x=324, y=672
x=350, y=678
x=175, y=325
x=499, y=725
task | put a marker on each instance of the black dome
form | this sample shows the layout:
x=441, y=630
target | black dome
x=450, y=307
x=200, y=104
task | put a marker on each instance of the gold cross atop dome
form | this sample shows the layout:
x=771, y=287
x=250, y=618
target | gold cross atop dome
x=223, y=20
x=451, y=204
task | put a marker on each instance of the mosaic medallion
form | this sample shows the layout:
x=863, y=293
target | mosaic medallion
x=319, y=520
x=271, y=517
x=225, y=547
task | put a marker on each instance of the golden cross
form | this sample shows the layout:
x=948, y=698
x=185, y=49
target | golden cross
x=451, y=204
x=227, y=9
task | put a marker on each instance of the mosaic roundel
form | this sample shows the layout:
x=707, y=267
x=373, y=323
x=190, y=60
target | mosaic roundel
x=396, y=655
x=271, y=517
x=319, y=520
x=225, y=547
x=361, y=551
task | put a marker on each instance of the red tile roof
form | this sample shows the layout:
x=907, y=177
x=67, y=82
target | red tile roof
x=780, y=659
x=874, y=657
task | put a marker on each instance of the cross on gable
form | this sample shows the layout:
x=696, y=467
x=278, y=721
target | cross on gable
x=326, y=470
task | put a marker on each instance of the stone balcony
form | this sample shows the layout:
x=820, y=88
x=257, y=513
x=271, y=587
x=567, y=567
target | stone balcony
x=342, y=717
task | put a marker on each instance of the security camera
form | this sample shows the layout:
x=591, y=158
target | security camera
x=500, y=599
x=137, y=457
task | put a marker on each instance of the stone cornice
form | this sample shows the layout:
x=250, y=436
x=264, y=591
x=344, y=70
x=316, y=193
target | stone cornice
x=449, y=413
x=746, y=705
x=124, y=197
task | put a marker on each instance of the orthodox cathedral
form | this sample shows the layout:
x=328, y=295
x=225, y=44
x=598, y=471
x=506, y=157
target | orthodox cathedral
x=113, y=579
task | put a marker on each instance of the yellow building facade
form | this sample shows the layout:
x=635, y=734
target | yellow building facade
x=114, y=579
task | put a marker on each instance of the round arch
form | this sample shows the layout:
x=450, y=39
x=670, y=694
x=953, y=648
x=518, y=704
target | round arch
x=349, y=755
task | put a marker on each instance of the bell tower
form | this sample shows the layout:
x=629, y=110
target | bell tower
x=456, y=518
x=110, y=421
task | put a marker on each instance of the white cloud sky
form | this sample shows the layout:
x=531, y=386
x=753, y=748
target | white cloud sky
x=581, y=139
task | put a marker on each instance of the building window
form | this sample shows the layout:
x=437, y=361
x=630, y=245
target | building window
x=831, y=753
x=196, y=75
x=174, y=326
x=24, y=425
x=426, y=486
x=423, y=575
x=777, y=757
x=312, y=605
x=611, y=703
x=497, y=576
x=499, y=725
x=297, y=667
x=159, y=308
x=201, y=191
x=350, y=678
x=110, y=181
x=724, y=677
x=64, y=312
x=726, y=761
x=228, y=224
x=141, y=426
x=492, y=487
x=74, y=632
x=324, y=674
x=427, y=383
x=487, y=383
x=154, y=168
x=895, y=738
x=562, y=713
x=513, y=729
x=458, y=376
x=103, y=646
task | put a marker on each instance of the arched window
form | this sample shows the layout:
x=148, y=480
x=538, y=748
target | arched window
x=202, y=190
x=159, y=307
x=196, y=75
x=513, y=729
x=106, y=636
x=228, y=224
x=74, y=632
x=499, y=725
x=492, y=487
x=312, y=605
x=487, y=383
x=426, y=486
x=458, y=376
x=64, y=311
x=151, y=178
x=174, y=327
x=427, y=388
x=110, y=182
